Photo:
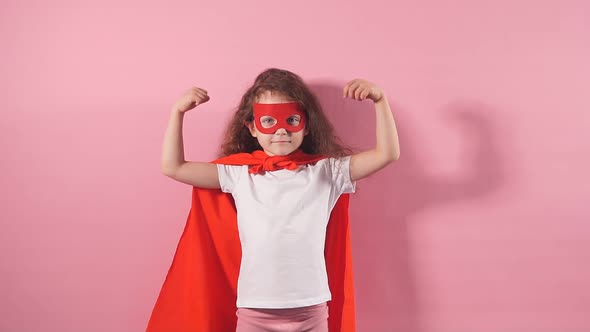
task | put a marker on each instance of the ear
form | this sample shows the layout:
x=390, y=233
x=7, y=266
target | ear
x=250, y=125
x=306, y=131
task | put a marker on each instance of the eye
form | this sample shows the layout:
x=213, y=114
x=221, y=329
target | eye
x=267, y=121
x=293, y=120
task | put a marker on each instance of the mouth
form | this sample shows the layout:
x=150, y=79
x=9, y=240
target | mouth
x=282, y=142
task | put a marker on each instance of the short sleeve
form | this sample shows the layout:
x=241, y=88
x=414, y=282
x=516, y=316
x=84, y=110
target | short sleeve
x=340, y=169
x=229, y=176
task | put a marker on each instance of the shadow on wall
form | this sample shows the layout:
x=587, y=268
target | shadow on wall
x=384, y=204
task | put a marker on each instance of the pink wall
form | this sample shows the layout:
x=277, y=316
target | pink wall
x=482, y=226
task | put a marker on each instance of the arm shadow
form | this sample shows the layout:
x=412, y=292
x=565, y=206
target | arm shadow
x=384, y=205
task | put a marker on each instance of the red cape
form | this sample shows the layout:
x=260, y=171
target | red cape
x=200, y=290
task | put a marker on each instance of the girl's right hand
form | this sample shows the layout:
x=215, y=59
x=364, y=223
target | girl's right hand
x=191, y=99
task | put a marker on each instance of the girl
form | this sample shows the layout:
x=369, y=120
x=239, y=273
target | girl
x=286, y=171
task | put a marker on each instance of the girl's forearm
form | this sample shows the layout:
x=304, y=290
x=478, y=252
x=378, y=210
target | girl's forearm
x=173, y=146
x=387, y=138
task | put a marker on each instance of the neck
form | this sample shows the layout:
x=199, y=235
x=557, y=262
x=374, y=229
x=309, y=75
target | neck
x=285, y=155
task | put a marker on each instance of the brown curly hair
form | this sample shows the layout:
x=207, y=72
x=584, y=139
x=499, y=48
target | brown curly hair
x=320, y=139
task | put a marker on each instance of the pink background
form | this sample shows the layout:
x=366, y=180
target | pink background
x=482, y=226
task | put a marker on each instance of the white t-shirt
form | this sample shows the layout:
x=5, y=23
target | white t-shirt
x=282, y=219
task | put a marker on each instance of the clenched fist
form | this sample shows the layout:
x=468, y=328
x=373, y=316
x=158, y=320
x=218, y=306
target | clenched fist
x=192, y=98
x=360, y=89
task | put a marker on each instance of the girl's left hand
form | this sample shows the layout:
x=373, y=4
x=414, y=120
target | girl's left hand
x=360, y=89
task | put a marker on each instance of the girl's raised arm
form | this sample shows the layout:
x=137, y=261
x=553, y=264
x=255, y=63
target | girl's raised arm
x=173, y=165
x=387, y=148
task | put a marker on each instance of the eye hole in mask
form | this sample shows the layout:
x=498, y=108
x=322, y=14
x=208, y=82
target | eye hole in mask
x=268, y=121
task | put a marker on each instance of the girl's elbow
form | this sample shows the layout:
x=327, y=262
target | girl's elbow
x=392, y=157
x=168, y=170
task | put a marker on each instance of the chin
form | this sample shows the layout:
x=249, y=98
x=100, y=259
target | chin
x=282, y=151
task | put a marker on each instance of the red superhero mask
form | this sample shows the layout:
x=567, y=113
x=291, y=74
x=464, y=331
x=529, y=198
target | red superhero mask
x=278, y=116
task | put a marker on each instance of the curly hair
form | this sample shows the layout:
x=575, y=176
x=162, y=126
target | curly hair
x=320, y=139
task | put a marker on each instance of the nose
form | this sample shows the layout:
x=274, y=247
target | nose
x=281, y=131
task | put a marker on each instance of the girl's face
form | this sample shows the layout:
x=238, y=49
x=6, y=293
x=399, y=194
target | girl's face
x=282, y=141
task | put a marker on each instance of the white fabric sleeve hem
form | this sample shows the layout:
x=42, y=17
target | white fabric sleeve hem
x=228, y=177
x=348, y=186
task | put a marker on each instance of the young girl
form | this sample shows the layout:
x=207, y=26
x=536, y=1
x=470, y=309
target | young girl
x=286, y=171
